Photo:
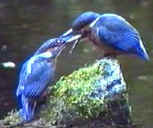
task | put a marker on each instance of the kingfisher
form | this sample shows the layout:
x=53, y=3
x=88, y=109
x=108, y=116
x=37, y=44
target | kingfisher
x=109, y=32
x=35, y=76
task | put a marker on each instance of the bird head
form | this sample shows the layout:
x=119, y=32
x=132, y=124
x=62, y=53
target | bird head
x=82, y=22
x=51, y=49
x=51, y=54
x=81, y=27
x=49, y=44
x=54, y=52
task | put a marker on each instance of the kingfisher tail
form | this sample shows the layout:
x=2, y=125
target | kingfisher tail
x=142, y=53
x=28, y=108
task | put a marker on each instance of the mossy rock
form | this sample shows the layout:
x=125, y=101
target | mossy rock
x=93, y=92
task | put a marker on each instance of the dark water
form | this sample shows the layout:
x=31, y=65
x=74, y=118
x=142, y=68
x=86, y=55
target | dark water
x=25, y=24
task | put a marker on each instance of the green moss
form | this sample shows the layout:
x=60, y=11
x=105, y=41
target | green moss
x=11, y=118
x=75, y=88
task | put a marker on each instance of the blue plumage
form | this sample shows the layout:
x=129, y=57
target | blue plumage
x=110, y=32
x=84, y=19
x=35, y=75
x=51, y=43
x=42, y=70
x=117, y=33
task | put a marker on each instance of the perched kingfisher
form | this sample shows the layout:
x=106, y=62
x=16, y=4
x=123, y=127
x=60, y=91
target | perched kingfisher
x=35, y=75
x=110, y=32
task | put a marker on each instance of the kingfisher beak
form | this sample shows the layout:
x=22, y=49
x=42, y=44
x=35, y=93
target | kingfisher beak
x=70, y=31
x=74, y=38
x=70, y=36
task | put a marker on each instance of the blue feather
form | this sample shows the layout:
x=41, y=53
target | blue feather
x=84, y=19
x=112, y=31
x=35, y=75
x=28, y=108
x=117, y=33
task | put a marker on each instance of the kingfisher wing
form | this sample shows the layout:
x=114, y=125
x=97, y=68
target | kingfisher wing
x=116, y=32
x=34, y=83
x=123, y=41
x=22, y=79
